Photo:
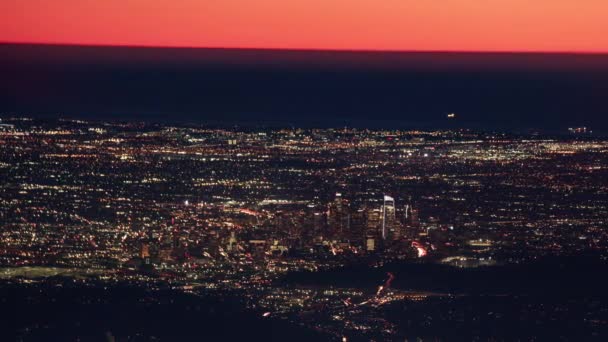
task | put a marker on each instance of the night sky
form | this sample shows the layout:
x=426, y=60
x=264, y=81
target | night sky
x=306, y=87
x=495, y=63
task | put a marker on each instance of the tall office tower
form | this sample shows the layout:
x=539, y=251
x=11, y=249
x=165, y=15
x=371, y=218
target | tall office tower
x=312, y=226
x=373, y=233
x=144, y=250
x=407, y=210
x=231, y=246
x=413, y=220
x=358, y=227
x=298, y=231
x=339, y=217
x=389, y=219
x=409, y=213
x=319, y=225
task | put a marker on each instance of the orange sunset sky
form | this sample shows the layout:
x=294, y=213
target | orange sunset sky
x=458, y=25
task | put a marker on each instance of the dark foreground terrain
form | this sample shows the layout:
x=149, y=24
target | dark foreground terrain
x=61, y=310
x=560, y=276
x=553, y=299
x=559, y=299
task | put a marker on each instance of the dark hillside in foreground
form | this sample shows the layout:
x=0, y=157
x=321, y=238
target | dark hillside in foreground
x=566, y=277
x=83, y=313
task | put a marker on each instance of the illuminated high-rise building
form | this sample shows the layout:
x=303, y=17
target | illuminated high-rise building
x=413, y=220
x=339, y=217
x=373, y=229
x=410, y=220
x=231, y=246
x=358, y=227
x=144, y=250
x=389, y=219
x=319, y=224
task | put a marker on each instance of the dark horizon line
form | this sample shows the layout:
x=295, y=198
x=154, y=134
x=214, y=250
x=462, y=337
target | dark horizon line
x=437, y=124
x=379, y=51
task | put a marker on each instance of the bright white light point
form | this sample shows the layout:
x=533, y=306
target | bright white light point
x=421, y=252
x=186, y=202
x=426, y=154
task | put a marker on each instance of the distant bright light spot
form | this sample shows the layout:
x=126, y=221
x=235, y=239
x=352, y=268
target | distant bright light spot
x=426, y=154
x=420, y=249
x=266, y=314
x=186, y=202
x=451, y=116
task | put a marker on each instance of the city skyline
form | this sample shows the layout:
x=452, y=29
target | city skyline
x=320, y=170
x=347, y=233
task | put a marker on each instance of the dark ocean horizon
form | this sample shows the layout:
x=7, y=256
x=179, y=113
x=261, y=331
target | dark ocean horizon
x=490, y=91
